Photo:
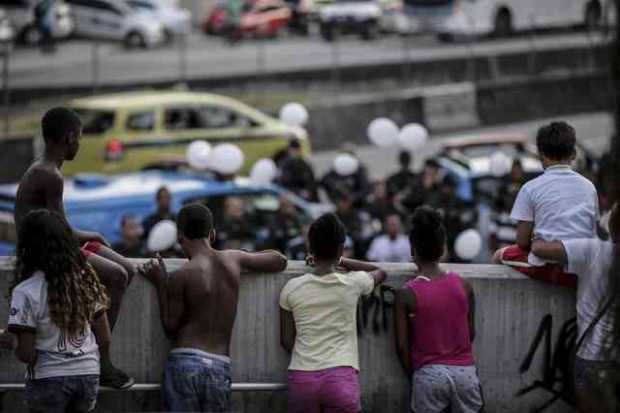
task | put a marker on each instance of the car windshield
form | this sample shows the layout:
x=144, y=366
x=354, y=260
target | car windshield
x=96, y=121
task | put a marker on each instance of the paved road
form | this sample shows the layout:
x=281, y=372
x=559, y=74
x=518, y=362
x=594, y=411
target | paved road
x=211, y=57
x=593, y=131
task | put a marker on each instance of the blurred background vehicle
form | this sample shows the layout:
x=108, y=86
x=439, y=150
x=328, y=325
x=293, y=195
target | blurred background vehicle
x=176, y=21
x=500, y=18
x=7, y=33
x=98, y=203
x=127, y=131
x=361, y=17
x=261, y=18
x=116, y=20
x=21, y=15
x=469, y=161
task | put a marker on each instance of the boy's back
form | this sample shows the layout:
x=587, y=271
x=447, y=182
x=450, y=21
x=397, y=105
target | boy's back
x=210, y=291
x=41, y=184
x=561, y=203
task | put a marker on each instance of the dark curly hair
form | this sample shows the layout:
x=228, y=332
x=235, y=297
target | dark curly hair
x=325, y=236
x=46, y=243
x=556, y=141
x=428, y=234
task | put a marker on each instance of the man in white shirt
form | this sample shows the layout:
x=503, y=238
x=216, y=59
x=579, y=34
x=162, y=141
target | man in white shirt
x=393, y=246
x=558, y=205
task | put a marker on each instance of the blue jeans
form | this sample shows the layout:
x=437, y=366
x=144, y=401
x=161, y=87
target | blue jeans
x=62, y=394
x=196, y=381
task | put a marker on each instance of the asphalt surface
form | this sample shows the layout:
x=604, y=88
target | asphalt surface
x=80, y=62
x=593, y=132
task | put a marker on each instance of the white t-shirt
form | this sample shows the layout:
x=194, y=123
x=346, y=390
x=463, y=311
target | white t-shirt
x=385, y=249
x=561, y=203
x=325, y=312
x=57, y=354
x=590, y=260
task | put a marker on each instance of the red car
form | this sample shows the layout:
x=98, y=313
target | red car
x=261, y=18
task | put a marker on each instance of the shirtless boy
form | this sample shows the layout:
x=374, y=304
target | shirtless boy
x=198, y=306
x=42, y=187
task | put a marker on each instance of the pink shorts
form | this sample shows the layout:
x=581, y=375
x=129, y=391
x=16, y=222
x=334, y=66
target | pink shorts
x=516, y=258
x=324, y=391
x=90, y=247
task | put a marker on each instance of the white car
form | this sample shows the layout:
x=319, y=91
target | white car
x=176, y=21
x=115, y=20
x=350, y=16
x=21, y=15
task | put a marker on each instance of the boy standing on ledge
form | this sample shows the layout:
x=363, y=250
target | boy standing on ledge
x=198, y=306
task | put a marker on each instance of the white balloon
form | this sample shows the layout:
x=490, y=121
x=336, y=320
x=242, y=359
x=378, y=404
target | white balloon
x=226, y=159
x=500, y=164
x=412, y=136
x=263, y=171
x=162, y=237
x=294, y=114
x=346, y=164
x=468, y=244
x=198, y=155
x=382, y=132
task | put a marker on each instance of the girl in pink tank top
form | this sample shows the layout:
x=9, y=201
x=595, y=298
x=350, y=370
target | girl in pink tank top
x=434, y=317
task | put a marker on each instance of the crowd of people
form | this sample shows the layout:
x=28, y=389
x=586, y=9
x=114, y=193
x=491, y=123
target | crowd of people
x=376, y=214
x=68, y=287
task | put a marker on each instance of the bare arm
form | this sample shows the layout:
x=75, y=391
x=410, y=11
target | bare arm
x=25, y=350
x=377, y=274
x=404, y=308
x=288, y=332
x=525, y=230
x=471, y=316
x=264, y=261
x=170, y=292
x=551, y=251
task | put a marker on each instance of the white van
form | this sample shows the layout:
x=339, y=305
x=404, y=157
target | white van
x=450, y=18
x=116, y=20
x=21, y=16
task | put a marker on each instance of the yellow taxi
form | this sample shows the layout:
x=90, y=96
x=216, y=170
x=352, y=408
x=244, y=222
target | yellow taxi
x=127, y=132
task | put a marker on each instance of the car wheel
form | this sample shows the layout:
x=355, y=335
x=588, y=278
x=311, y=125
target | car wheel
x=134, y=40
x=370, y=30
x=31, y=36
x=593, y=14
x=327, y=32
x=503, y=24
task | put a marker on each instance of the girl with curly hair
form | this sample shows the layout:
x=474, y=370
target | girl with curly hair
x=57, y=303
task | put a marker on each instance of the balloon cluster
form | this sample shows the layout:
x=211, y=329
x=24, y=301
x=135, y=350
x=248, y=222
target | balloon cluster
x=225, y=158
x=384, y=133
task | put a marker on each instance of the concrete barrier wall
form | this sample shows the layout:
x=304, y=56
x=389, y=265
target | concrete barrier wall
x=509, y=310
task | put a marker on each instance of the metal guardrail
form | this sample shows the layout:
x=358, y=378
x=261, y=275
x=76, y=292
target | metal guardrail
x=236, y=387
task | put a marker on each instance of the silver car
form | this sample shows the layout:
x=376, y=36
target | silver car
x=115, y=20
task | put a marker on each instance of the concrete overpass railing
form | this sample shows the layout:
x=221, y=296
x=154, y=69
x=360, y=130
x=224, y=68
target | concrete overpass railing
x=509, y=310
